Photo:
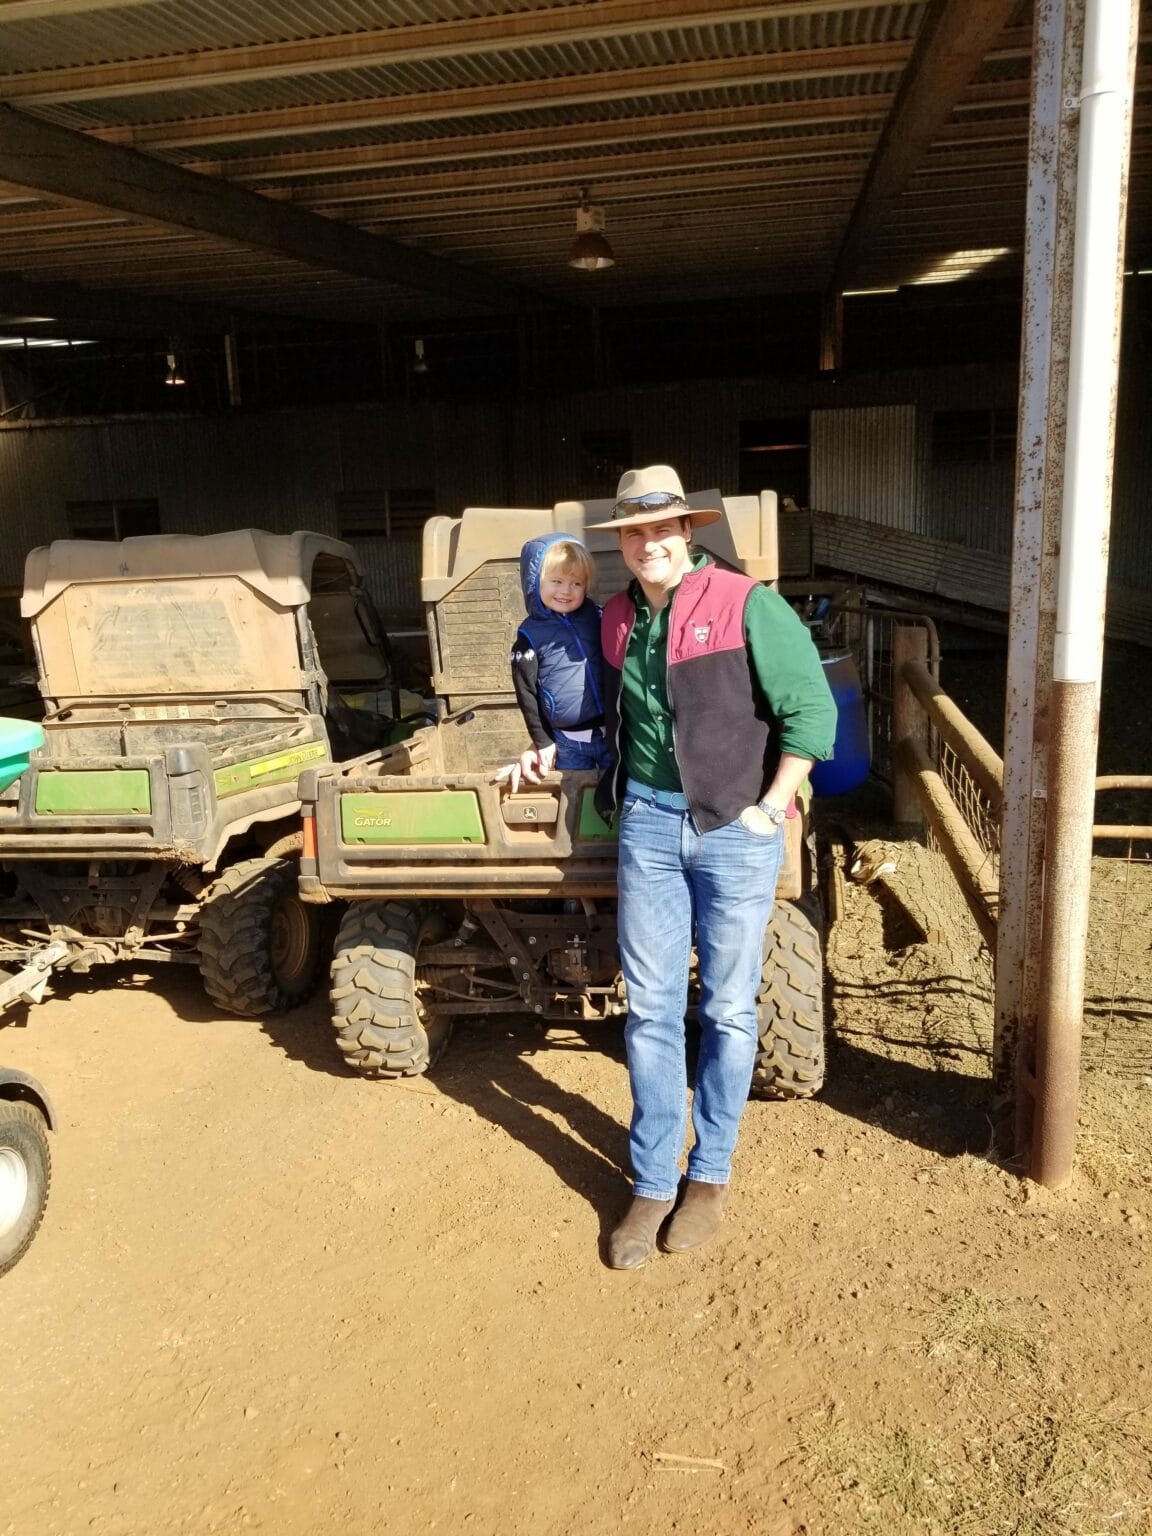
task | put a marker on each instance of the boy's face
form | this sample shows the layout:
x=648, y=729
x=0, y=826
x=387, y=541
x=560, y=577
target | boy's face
x=564, y=590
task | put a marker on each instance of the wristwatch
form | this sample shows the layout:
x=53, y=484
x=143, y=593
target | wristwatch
x=775, y=814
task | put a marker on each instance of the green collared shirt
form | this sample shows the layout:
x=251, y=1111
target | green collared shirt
x=649, y=750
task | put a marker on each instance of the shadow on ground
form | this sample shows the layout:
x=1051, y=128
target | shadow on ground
x=942, y=1110
x=493, y=1073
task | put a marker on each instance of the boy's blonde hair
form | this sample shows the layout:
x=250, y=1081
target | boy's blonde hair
x=567, y=555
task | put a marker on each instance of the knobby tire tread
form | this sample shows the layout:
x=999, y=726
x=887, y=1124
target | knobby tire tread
x=373, y=992
x=235, y=923
x=790, y=1060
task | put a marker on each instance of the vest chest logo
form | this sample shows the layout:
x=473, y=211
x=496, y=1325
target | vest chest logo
x=702, y=631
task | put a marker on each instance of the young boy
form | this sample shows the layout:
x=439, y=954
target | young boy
x=557, y=664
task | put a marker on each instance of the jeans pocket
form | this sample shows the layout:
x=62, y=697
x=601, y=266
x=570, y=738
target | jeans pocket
x=629, y=806
x=759, y=825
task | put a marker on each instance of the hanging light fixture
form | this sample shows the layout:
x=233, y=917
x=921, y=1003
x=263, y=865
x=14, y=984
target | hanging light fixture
x=173, y=376
x=590, y=250
x=421, y=363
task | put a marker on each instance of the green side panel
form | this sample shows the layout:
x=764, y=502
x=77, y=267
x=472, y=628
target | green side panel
x=115, y=792
x=277, y=769
x=11, y=768
x=593, y=828
x=422, y=816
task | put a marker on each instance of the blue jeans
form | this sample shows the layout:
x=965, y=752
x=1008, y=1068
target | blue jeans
x=595, y=754
x=677, y=884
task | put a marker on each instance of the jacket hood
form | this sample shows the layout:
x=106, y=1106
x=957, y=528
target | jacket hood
x=531, y=563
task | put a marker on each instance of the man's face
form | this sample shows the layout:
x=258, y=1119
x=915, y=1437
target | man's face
x=657, y=553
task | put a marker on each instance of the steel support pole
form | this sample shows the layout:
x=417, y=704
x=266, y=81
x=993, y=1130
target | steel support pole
x=1047, y=312
x=232, y=368
x=832, y=332
x=909, y=643
x=1105, y=105
x=1083, y=59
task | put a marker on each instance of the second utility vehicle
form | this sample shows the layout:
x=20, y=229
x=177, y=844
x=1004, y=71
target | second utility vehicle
x=467, y=900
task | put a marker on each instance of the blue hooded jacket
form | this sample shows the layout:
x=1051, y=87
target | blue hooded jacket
x=557, y=663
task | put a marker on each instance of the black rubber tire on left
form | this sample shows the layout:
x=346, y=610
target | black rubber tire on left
x=790, y=1003
x=259, y=943
x=25, y=1177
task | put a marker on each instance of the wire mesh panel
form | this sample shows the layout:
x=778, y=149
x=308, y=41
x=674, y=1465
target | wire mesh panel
x=981, y=817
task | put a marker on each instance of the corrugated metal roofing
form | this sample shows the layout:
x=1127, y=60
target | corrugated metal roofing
x=727, y=142
x=148, y=30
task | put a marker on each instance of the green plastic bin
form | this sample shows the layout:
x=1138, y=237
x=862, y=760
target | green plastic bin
x=18, y=740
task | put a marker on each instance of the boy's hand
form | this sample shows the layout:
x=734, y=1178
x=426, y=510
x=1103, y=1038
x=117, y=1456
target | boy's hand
x=532, y=765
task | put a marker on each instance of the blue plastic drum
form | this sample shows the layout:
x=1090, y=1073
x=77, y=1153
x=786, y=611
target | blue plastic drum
x=852, y=758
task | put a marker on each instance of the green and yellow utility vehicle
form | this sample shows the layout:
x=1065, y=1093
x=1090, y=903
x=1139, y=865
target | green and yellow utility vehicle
x=187, y=682
x=467, y=900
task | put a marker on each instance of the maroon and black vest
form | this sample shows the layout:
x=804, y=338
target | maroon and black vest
x=724, y=733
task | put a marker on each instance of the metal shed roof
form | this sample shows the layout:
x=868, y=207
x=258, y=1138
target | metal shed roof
x=386, y=158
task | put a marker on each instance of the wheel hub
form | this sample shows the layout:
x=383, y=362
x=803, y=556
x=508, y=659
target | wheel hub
x=288, y=941
x=13, y=1188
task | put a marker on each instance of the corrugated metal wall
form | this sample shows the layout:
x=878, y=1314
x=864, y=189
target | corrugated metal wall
x=972, y=504
x=875, y=463
x=865, y=464
x=274, y=471
x=870, y=459
x=1130, y=561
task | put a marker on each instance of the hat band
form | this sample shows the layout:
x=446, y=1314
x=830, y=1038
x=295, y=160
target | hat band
x=655, y=501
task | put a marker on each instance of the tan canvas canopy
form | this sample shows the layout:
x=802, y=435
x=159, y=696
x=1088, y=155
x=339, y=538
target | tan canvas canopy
x=178, y=614
x=277, y=565
x=454, y=547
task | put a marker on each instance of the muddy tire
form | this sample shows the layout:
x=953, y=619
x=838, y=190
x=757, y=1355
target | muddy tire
x=382, y=1028
x=25, y=1175
x=259, y=943
x=790, y=1003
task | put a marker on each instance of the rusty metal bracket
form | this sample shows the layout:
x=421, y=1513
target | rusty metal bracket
x=515, y=951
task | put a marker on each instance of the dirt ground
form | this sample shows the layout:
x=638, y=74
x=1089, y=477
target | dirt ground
x=270, y=1296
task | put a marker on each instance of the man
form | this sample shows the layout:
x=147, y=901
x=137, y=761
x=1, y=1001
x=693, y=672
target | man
x=717, y=704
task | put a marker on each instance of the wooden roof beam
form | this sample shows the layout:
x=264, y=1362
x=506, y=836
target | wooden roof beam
x=601, y=170
x=57, y=160
x=554, y=94
x=771, y=135
x=559, y=196
x=761, y=120
x=470, y=37
x=37, y=10
x=114, y=311
x=955, y=38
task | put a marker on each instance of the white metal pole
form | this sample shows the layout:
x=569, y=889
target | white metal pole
x=1105, y=112
x=1105, y=107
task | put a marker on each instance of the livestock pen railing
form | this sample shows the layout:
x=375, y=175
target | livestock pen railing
x=960, y=788
x=954, y=783
x=951, y=779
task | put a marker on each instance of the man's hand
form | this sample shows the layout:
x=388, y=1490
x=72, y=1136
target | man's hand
x=532, y=765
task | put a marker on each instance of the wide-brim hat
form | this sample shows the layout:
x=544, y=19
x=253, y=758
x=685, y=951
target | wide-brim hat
x=651, y=494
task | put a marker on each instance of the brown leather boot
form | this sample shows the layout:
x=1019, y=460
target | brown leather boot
x=634, y=1240
x=697, y=1217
